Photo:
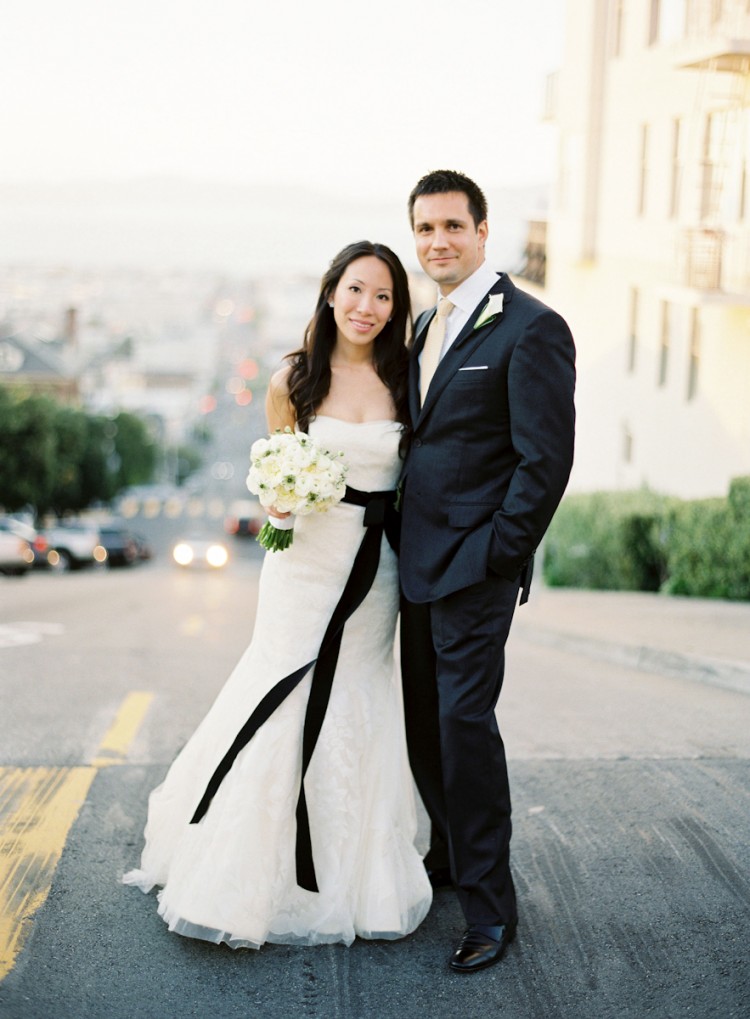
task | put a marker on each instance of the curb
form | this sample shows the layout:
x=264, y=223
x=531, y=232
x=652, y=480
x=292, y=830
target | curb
x=714, y=671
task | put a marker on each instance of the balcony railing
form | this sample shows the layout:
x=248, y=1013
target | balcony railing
x=716, y=261
x=728, y=17
x=534, y=268
x=701, y=253
x=717, y=36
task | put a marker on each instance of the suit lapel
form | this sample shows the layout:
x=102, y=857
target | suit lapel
x=460, y=350
x=420, y=330
x=420, y=333
x=503, y=286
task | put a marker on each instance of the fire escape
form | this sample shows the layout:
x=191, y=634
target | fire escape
x=714, y=252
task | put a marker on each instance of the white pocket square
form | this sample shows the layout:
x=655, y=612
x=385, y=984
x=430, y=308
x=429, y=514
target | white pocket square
x=475, y=368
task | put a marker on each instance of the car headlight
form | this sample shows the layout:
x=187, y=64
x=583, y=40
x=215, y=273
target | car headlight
x=182, y=554
x=217, y=556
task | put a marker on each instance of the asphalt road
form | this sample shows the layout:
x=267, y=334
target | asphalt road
x=631, y=835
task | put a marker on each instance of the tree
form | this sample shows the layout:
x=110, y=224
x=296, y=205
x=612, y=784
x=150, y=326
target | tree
x=96, y=471
x=188, y=460
x=70, y=428
x=27, y=451
x=60, y=458
x=135, y=452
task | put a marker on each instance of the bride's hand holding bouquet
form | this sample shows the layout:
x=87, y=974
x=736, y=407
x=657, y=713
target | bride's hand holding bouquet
x=291, y=474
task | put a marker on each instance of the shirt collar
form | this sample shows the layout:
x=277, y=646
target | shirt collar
x=468, y=294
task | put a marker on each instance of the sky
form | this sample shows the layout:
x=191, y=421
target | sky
x=355, y=98
x=250, y=136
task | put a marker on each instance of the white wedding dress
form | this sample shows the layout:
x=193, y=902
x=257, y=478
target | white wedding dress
x=231, y=877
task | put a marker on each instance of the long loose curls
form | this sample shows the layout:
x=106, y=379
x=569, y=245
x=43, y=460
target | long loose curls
x=309, y=379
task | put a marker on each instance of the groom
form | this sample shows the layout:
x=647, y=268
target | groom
x=491, y=397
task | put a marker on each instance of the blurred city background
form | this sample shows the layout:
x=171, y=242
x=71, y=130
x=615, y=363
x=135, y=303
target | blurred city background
x=169, y=199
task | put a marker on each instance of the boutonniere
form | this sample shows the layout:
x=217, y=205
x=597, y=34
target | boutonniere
x=491, y=310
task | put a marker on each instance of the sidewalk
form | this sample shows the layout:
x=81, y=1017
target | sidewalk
x=704, y=640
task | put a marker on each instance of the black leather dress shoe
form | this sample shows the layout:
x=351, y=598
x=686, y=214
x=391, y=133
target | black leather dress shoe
x=440, y=877
x=481, y=946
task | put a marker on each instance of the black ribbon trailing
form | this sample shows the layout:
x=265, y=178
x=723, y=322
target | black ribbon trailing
x=380, y=517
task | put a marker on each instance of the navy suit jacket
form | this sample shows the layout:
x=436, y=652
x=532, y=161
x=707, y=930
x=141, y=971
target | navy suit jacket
x=492, y=447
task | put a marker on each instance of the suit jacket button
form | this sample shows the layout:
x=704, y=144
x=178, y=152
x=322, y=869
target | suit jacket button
x=417, y=442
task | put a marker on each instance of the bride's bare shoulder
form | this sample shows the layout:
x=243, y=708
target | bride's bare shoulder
x=279, y=384
x=279, y=410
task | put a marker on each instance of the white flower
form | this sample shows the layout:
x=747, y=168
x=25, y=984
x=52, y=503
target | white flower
x=491, y=310
x=291, y=473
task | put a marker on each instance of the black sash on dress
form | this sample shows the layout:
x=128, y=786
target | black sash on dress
x=380, y=516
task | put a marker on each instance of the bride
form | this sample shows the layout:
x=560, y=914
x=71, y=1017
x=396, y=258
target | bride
x=251, y=840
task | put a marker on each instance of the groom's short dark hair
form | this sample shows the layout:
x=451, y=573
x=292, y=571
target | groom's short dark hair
x=440, y=182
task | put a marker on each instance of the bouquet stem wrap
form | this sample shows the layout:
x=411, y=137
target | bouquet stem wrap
x=276, y=534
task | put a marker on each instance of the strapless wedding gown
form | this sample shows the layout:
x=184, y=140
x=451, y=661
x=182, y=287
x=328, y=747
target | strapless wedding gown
x=231, y=877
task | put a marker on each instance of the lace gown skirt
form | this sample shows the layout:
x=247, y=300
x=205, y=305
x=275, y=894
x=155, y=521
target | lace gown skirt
x=231, y=877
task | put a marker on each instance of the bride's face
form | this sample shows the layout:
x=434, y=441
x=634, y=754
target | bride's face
x=363, y=301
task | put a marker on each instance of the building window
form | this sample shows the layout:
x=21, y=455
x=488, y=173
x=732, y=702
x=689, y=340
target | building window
x=695, y=354
x=643, y=170
x=742, y=210
x=673, y=24
x=653, y=22
x=617, y=13
x=714, y=135
x=562, y=174
x=633, y=339
x=664, y=343
x=676, y=175
x=667, y=21
x=709, y=175
x=627, y=444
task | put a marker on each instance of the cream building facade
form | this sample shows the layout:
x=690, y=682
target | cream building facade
x=648, y=240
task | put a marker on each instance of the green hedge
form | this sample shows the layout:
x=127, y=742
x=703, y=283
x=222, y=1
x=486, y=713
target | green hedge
x=642, y=541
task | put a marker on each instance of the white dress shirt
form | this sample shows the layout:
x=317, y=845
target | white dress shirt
x=465, y=298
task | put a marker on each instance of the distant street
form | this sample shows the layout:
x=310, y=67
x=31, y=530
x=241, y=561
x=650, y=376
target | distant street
x=632, y=825
x=163, y=513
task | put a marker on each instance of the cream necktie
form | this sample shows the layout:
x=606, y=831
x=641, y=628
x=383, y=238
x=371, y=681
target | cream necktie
x=433, y=345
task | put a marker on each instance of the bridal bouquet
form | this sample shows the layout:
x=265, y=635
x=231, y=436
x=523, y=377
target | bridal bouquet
x=290, y=472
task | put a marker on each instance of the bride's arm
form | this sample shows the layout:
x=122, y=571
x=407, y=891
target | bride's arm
x=279, y=411
x=279, y=414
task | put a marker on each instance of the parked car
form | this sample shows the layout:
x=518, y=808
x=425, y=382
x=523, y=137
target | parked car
x=41, y=549
x=73, y=545
x=35, y=538
x=246, y=517
x=123, y=546
x=200, y=551
x=16, y=551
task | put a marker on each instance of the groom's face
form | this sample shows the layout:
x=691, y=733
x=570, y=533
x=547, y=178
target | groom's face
x=449, y=244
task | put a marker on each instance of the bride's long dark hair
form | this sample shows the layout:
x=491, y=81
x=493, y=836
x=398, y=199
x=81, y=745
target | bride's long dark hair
x=309, y=379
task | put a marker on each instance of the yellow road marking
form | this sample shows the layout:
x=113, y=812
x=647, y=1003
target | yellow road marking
x=114, y=747
x=38, y=807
